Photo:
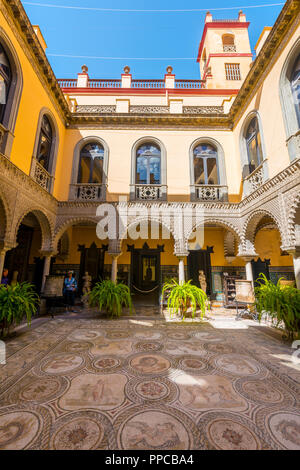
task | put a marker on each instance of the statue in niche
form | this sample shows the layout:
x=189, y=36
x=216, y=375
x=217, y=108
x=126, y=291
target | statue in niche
x=202, y=281
x=87, y=279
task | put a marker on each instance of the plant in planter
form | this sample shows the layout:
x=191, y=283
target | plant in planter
x=182, y=297
x=111, y=297
x=17, y=302
x=280, y=303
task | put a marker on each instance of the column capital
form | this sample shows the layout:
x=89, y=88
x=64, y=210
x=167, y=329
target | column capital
x=115, y=254
x=48, y=254
x=6, y=246
x=181, y=255
x=248, y=256
x=293, y=250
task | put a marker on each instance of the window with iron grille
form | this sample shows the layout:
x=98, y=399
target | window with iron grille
x=233, y=71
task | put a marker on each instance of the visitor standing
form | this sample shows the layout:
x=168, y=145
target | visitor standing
x=70, y=287
x=4, y=279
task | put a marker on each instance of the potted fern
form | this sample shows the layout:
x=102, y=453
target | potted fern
x=111, y=297
x=184, y=296
x=281, y=303
x=16, y=303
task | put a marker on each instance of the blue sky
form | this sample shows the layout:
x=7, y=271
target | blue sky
x=135, y=34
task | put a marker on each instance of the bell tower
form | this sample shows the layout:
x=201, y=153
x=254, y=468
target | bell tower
x=224, y=53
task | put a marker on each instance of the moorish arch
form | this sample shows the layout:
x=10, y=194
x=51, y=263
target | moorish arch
x=63, y=227
x=294, y=222
x=233, y=229
x=5, y=217
x=255, y=222
x=45, y=226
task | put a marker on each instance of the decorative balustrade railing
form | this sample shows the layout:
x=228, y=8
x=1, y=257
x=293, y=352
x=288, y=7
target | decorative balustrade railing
x=67, y=83
x=256, y=178
x=210, y=192
x=87, y=192
x=137, y=84
x=148, y=192
x=147, y=84
x=41, y=175
x=229, y=48
x=101, y=83
x=190, y=84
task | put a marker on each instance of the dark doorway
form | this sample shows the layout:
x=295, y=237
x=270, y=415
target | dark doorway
x=145, y=274
x=17, y=259
x=91, y=261
x=260, y=266
x=200, y=260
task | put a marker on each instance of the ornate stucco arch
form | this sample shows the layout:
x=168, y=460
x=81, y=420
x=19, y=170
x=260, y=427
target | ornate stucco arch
x=63, y=226
x=46, y=227
x=5, y=216
x=225, y=224
x=250, y=228
x=292, y=221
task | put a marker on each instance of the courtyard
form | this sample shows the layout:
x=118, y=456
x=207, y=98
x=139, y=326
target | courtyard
x=79, y=381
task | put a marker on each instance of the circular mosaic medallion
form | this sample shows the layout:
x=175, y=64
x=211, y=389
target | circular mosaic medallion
x=237, y=365
x=227, y=434
x=85, y=335
x=18, y=429
x=150, y=364
x=106, y=364
x=154, y=430
x=61, y=363
x=207, y=336
x=152, y=390
x=42, y=389
x=219, y=348
x=79, y=434
x=147, y=335
x=285, y=429
x=82, y=431
x=261, y=391
x=77, y=346
x=178, y=335
x=117, y=334
x=148, y=346
x=192, y=363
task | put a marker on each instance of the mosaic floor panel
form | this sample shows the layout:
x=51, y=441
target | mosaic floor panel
x=147, y=384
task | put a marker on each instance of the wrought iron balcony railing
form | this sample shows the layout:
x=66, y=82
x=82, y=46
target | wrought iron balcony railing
x=41, y=175
x=209, y=192
x=87, y=192
x=148, y=192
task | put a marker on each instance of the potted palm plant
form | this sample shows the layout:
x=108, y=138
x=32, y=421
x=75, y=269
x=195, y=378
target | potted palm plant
x=111, y=297
x=184, y=296
x=16, y=303
x=281, y=303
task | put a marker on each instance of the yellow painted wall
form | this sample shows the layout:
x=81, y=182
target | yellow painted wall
x=267, y=245
x=33, y=98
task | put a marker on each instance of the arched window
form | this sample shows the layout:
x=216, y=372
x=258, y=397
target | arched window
x=205, y=164
x=5, y=81
x=295, y=84
x=44, y=150
x=148, y=164
x=253, y=143
x=228, y=43
x=91, y=163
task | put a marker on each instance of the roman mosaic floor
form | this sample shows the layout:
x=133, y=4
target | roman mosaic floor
x=76, y=382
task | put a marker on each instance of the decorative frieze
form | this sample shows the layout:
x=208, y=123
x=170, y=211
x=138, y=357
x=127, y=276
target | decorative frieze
x=103, y=109
x=149, y=109
x=203, y=109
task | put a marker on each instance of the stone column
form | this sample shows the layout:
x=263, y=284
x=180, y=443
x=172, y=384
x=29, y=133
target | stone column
x=114, y=266
x=47, y=255
x=2, y=259
x=248, y=266
x=181, y=275
x=295, y=252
